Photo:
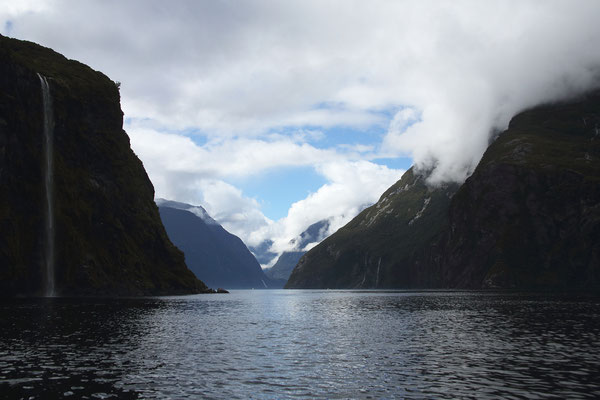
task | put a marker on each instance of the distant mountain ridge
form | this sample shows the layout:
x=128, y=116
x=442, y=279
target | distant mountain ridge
x=219, y=257
x=286, y=262
x=263, y=252
x=527, y=218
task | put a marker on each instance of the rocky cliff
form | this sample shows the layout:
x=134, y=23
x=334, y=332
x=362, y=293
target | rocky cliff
x=107, y=234
x=527, y=218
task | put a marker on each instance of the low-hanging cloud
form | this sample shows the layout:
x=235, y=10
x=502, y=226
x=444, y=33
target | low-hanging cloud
x=487, y=64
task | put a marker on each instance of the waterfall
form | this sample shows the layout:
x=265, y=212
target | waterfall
x=48, y=184
x=377, y=279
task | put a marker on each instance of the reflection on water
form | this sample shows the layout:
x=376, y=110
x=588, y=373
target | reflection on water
x=303, y=344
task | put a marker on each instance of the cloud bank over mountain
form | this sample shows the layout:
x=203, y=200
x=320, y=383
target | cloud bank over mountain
x=215, y=92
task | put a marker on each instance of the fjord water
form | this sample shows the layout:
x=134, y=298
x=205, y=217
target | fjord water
x=303, y=344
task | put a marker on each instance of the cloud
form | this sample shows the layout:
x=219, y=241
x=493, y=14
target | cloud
x=180, y=169
x=216, y=91
x=225, y=203
x=245, y=68
x=486, y=63
x=352, y=186
x=165, y=152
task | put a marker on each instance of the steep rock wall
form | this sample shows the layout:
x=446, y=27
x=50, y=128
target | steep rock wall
x=529, y=216
x=108, y=236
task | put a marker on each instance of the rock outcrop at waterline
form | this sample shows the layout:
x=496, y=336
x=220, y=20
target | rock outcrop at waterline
x=527, y=218
x=109, y=239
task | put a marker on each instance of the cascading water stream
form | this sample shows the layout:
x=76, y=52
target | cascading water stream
x=49, y=184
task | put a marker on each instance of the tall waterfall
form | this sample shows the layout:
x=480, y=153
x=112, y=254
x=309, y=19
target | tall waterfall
x=49, y=184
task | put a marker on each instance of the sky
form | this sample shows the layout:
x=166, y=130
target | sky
x=273, y=115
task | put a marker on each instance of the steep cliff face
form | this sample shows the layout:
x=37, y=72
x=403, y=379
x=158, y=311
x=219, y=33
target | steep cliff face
x=382, y=246
x=529, y=216
x=107, y=231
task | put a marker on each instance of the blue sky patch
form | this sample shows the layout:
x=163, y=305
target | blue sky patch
x=281, y=187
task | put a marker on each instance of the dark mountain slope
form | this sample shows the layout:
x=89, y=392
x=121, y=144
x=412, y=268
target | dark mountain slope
x=380, y=248
x=216, y=256
x=109, y=239
x=527, y=218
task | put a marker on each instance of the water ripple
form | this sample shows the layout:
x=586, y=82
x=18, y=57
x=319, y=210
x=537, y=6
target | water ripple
x=303, y=344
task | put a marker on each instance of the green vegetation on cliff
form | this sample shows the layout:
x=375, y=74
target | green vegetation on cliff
x=109, y=238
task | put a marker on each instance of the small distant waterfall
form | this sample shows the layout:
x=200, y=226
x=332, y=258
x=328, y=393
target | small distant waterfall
x=49, y=184
x=377, y=278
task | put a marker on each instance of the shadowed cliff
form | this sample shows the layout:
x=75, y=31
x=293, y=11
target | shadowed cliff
x=108, y=236
x=529, y=216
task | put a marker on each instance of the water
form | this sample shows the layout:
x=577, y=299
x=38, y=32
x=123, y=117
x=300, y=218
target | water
x=48, y=183
x=303, y=344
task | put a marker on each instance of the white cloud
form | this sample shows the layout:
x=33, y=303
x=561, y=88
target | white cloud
x=225, y=203
x=235, y=72
x=243, y=68
x=185, y=171
x=352, y=186
x=165, y=153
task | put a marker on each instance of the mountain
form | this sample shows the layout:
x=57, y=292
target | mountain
x=262, y=252
x=527, y=218
x=77, y=215
x=379, y=248
x=286, y=262
x=216, y=256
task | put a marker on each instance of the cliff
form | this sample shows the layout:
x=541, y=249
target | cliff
x=106, y=231
x=527, y=218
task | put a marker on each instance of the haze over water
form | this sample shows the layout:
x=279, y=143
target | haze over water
x=303, y=344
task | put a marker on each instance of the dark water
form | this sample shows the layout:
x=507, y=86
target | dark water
x=303, y=344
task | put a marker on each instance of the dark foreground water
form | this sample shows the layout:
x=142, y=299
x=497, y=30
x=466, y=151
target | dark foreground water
x=303, y=344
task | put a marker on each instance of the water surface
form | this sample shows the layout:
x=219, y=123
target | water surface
x=303, y=344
